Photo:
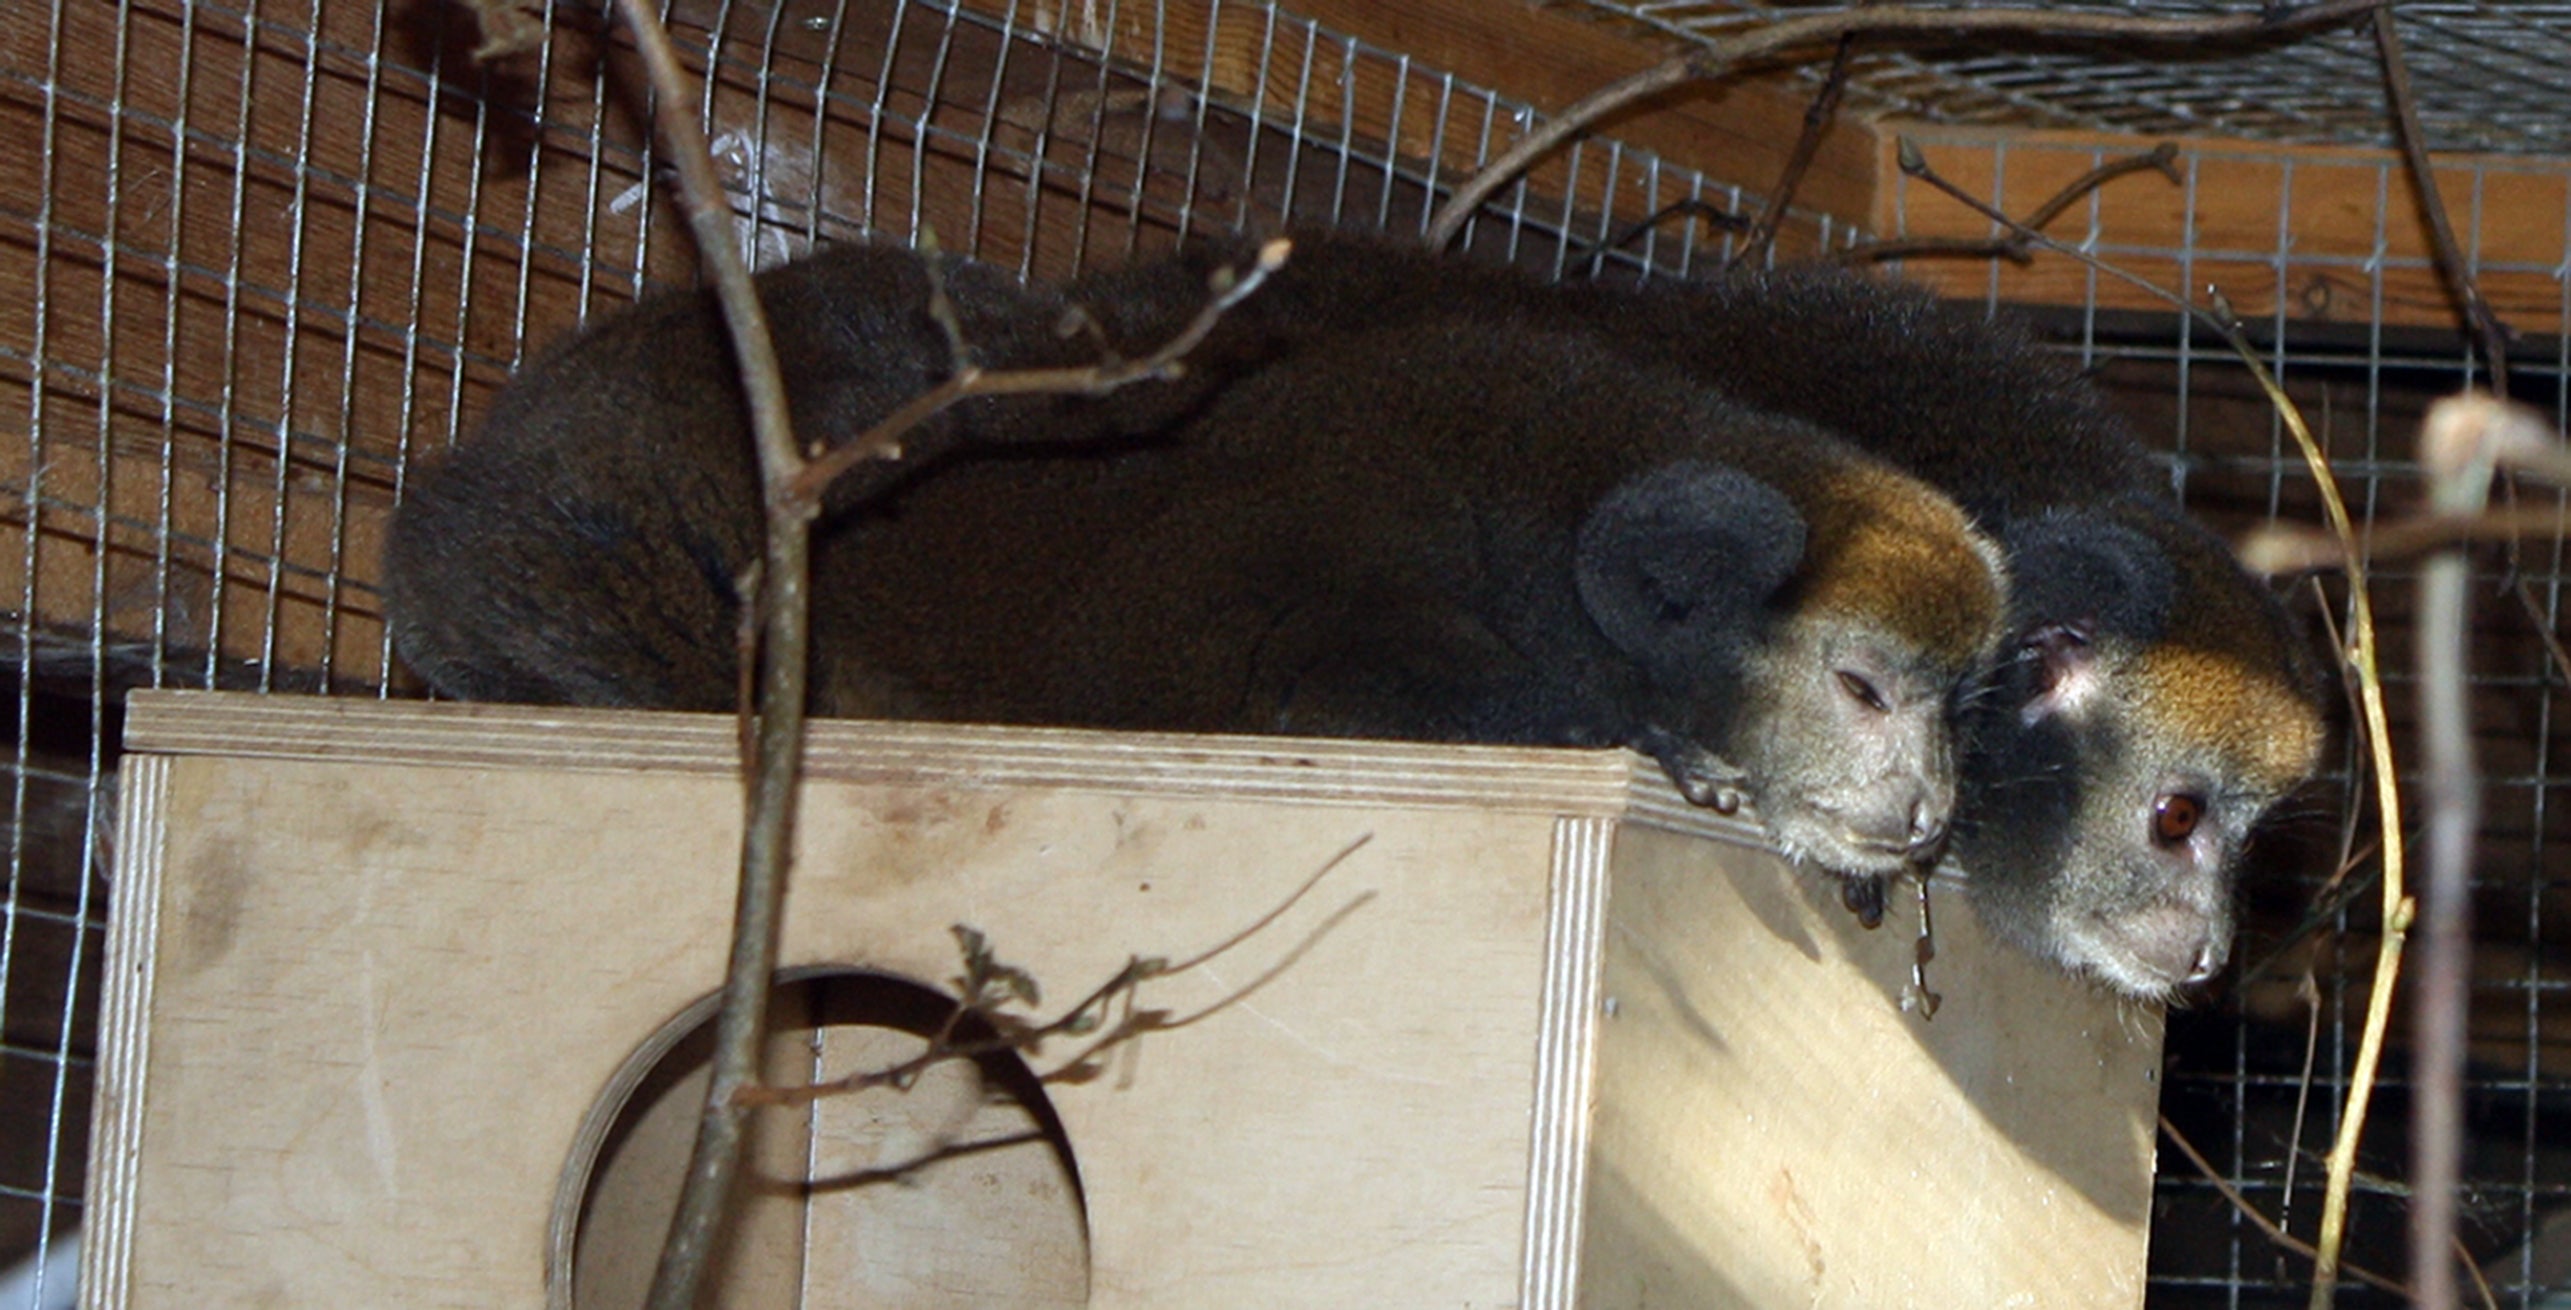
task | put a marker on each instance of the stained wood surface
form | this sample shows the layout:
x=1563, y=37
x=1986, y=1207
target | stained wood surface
x=2316, y=234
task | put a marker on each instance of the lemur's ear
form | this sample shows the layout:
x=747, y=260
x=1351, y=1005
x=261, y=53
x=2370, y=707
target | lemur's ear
x=1675, y=564
x=2078, y=577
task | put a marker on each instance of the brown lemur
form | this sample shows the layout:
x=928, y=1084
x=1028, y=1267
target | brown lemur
x=1453, y=530
x=2157, y=701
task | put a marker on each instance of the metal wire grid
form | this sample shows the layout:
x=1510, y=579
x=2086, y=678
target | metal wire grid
x=455, y=181
x=2237, y=1078
x=2489, y=75
x=255, y=256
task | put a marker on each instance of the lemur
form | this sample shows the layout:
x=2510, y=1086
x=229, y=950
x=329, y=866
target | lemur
x=1453, y=530
x=2156, y=702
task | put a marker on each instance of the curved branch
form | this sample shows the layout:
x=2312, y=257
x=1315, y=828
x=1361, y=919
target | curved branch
x=1707, y=64
x=2478, y=316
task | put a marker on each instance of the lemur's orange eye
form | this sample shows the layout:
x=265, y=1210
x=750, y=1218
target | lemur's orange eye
x=2175, y=816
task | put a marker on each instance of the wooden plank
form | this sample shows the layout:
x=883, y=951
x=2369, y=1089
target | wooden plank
x=1339, y=770
x=2318, y=233
x=1498, y=1055
x=368, y=1004
x=1772, y=1130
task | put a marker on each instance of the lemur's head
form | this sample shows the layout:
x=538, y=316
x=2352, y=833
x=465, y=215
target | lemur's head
x=2156, y=704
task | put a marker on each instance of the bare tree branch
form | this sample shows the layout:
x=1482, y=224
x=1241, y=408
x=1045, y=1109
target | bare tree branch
x=1787, y=34
x=2477, y=311
x=2013, y=244
x=2553, y=648
x=2259, y=1221
x=1721, y=219
x=883, y=441
x=2291, y=548
x=1915, y=163
x=792, y=495
x=1817, y=118
x=784, y=573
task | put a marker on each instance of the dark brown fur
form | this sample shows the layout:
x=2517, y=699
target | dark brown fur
x=1454, y=530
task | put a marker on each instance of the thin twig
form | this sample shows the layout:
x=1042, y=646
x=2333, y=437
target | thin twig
x=1718, y=218
x=2432, y=203
x=2161, y=159
x=1260, y=924
x=1160, y=1021
x=2481, y=322
x=1081, y=1017
x=1890, y=249
x=1707, y=64
x=2362, y=658
x=2553, y=648
x=2011, y=245
x=2259, y=1221
x=1817, y=118
x=767, y=826
x=883, y=441
x=2335, y=894
x=2308, y=991
x=1915, y=163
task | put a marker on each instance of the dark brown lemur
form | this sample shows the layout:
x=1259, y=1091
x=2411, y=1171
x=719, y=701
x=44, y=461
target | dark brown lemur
x=587, y=546
x=1458, y=531
x=1424, y=533
x=2157, y=702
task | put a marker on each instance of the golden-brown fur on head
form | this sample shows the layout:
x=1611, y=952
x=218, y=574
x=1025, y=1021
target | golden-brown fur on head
x=1892, y=540
x=2263, y=722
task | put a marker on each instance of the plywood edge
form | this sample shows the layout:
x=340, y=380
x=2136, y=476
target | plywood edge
x=1578, y=783
x=124, y=1047
x=1566, y=1064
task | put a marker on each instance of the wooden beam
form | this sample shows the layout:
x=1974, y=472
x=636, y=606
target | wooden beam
x=2315, y=233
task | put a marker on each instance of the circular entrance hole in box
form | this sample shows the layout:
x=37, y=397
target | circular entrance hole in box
x=957, y=1191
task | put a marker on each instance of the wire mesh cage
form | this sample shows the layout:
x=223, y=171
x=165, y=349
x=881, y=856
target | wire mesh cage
x=257, y=259
x=2484, y=72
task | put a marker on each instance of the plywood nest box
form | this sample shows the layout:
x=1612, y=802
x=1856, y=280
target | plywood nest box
x=1534, y=1033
